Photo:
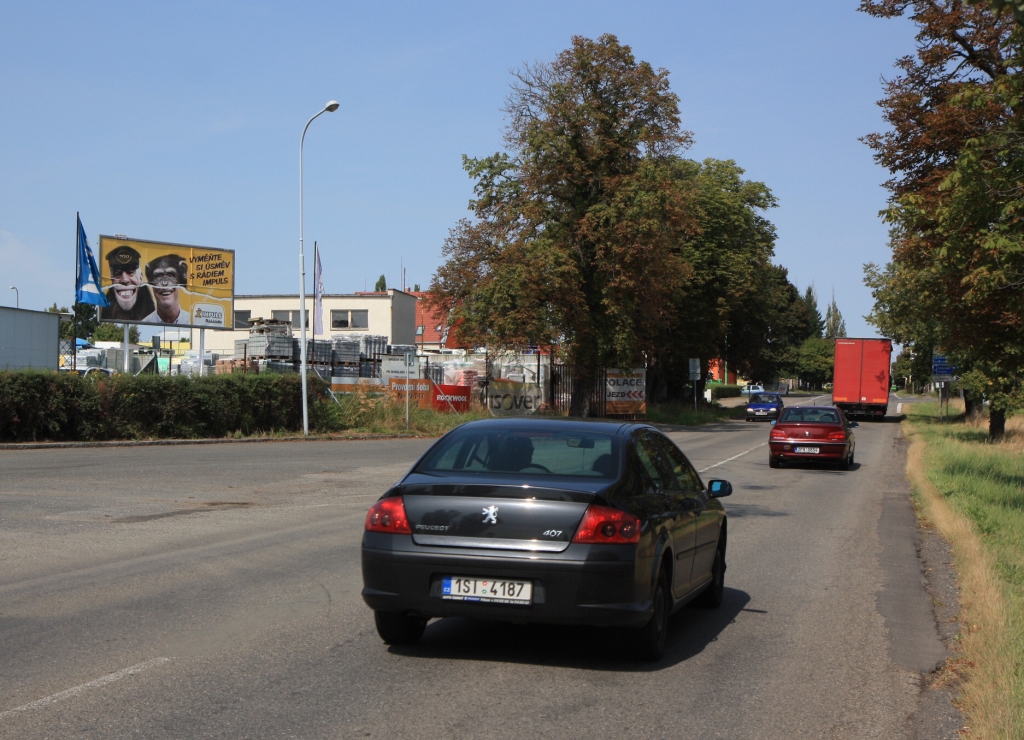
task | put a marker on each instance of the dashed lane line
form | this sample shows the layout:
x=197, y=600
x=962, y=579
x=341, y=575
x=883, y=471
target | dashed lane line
x=757, y=447
x=74, y=691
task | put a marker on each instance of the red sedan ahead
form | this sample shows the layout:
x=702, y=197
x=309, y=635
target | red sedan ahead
x=807, y=433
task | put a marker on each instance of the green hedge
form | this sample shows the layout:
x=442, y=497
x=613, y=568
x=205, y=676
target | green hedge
x=42, y=405
x=725, y=391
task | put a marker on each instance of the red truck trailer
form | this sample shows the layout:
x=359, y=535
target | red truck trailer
x=860, y=380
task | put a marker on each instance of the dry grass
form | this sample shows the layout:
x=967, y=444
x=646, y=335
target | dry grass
x=971, y=492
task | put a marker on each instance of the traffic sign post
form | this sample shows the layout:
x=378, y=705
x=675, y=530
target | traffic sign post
x=410, y=358
x=694, y=377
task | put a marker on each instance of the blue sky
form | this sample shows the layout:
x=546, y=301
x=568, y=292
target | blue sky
x=180, y=122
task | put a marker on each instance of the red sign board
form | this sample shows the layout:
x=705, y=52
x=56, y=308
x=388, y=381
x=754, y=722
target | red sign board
x=452, y=397
x=426, y=394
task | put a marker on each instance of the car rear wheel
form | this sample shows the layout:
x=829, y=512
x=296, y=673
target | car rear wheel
x=399, y=629
x=774, y=462
x=712, y=596
x=649, y=640
x=845, y=463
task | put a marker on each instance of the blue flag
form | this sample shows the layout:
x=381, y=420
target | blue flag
x=87, y=275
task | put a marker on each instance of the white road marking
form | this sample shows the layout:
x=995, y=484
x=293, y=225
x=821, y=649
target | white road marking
x=899, y=408
x=68, y=693
x=733, y=457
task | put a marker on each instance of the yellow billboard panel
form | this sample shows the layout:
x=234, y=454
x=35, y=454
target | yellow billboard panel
x=167, y=284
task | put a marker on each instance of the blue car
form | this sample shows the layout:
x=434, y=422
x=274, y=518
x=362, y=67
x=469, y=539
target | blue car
x=764, y=407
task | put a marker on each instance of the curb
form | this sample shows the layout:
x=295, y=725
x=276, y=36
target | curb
x=177, y=442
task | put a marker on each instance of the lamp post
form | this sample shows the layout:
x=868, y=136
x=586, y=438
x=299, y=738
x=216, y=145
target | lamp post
x=17, y=298
x=329, y=108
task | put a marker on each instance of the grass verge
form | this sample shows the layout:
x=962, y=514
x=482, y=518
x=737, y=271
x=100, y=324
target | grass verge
x=380, y=414
x=973, y=493
x=683, y=415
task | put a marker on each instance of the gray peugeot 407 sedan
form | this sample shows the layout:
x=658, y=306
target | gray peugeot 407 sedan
x=546, y=520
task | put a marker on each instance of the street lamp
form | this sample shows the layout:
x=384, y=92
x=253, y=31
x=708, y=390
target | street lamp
x=17, y=298
x=329, y=108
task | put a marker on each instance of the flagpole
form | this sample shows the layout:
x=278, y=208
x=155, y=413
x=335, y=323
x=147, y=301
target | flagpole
x=74, y=300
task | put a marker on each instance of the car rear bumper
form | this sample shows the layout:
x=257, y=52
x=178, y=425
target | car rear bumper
x=786, y=449
x=583, y=585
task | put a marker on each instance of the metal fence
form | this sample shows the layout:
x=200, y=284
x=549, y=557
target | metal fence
x=562, y=384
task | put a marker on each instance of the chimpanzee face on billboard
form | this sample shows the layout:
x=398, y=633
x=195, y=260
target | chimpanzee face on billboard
x=166, y=274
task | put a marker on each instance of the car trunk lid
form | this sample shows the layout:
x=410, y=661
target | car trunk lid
x=494, y=517
x=808, y=431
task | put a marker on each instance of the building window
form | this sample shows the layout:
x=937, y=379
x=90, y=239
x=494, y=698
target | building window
x=242, y=319
x=350, y=319
x=292, y=316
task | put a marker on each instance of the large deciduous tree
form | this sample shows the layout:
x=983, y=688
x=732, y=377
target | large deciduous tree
x=957, y=162
x=578, y=226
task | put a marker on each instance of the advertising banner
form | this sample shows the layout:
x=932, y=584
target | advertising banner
x=626, y=392
x=427, y=395
x=167, y=284
x=452, y=397
x=509, y=398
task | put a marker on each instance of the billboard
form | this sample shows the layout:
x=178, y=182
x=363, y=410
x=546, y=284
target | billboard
x=167, y=284
x=625, y=392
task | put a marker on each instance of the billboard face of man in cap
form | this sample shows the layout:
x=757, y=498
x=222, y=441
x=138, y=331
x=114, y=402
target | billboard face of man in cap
x=166, y=274
x=129, y=299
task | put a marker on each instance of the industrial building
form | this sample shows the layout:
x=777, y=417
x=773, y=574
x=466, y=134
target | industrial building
x=29, y=339
x=391, y=314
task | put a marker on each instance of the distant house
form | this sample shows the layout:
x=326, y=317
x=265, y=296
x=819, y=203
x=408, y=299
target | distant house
x=432, y=331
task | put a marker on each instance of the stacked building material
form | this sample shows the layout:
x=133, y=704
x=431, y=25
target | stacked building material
x=346, y=371
x=276, y=366
x=270, y=346
x=318, y=351
x=346, y=351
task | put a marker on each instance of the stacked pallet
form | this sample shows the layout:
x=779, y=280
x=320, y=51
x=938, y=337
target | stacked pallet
x=270, y=346
x=345, y=351
x=318, y=351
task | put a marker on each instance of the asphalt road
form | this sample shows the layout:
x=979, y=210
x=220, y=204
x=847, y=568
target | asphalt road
x=213, y=591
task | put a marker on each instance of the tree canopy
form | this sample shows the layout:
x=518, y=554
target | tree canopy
x=592, y=232
x=955, y=154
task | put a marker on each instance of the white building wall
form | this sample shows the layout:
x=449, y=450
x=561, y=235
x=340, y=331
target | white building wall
x=392, y=315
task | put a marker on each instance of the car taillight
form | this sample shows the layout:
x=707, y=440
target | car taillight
x=837, y=435
x=778, y=434
x=388, y=515
x=604, y=525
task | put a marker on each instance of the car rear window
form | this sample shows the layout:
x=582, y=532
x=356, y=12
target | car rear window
x=520, y=452
x=822, y=416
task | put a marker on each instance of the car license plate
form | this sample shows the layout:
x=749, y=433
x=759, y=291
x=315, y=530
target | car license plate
x=486, y=589
x=810, y=450
x=760, y=412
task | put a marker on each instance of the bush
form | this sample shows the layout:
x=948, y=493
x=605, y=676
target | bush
x=42, y=405
x=725, y=391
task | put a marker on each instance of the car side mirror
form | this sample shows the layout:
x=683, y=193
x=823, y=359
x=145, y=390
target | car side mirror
x=854, y=424
x=719, y=488
x=773, y=422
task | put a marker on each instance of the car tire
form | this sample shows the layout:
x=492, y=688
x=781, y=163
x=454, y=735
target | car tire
x=844, y=464
x=399, y=629
x=649, y=640
x=713, y=594
x=774, y=462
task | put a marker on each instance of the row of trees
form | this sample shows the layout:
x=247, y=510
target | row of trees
x=594, y=233
x=955, y=151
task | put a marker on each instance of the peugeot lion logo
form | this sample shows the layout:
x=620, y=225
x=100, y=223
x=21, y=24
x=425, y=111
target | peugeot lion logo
x=490, y=515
